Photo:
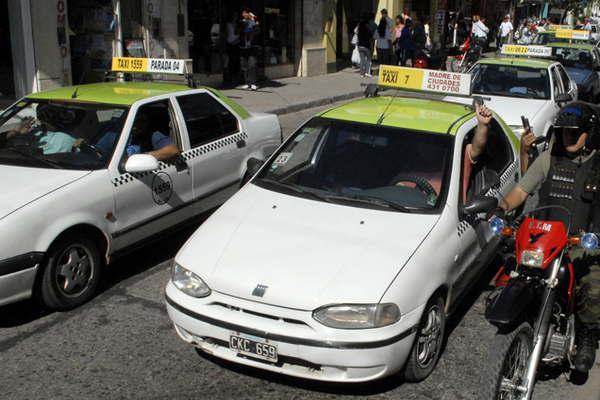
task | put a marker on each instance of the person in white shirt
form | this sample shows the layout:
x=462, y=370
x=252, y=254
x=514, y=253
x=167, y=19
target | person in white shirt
x=506, y=28
x=383, y=34
x=479, y=31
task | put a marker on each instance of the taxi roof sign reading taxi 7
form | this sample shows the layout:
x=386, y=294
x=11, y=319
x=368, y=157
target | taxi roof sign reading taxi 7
x=532, y=51
x=425, y=80
x=572, y=34
x=148, y=65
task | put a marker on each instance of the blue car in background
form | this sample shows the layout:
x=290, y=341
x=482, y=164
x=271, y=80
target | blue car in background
x=582, y=62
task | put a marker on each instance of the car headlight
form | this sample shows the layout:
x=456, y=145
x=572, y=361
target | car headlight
x=188, y=282
x=532, y=258
x=358, y=316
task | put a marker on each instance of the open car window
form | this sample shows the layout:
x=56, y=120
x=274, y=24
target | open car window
x=68, y=135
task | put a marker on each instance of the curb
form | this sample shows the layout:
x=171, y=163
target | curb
x=292, y=108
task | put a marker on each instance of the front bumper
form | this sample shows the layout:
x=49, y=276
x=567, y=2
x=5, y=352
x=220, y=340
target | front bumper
x=305, y=348
x=17, y=275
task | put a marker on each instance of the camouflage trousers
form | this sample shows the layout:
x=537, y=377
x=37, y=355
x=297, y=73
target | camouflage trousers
x=587, y=270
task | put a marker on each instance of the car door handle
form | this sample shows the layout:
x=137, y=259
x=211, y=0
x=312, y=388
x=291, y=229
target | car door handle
x=241, y=144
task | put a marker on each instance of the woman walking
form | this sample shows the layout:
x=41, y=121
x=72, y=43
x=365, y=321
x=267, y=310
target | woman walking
x=384, y=42
x=406, y=44
x=365, y=47
x=397, y=33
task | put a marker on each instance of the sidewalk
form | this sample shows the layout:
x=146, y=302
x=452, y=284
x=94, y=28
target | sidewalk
x=288, y=95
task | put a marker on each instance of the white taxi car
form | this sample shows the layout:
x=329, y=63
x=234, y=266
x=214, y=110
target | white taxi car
x=83, y=184
x=531, y=87
x=342, y=257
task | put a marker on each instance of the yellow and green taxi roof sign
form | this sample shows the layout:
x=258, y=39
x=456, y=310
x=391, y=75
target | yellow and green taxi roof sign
x=530, y=51
x=148, y=65
x=425, y=80
x=572, y=34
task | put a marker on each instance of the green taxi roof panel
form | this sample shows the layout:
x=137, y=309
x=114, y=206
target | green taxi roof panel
x=402, y=112
x=519, y=62
x=573, y=45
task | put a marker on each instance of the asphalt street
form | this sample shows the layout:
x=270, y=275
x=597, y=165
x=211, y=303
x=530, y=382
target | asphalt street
x=122, y=345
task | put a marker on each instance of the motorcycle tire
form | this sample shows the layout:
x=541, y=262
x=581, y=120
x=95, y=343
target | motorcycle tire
x=498, y=366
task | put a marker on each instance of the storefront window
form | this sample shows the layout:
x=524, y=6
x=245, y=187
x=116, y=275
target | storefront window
x=277, y=30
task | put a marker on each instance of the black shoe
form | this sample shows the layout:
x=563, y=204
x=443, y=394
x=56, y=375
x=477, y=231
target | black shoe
x=586, y=349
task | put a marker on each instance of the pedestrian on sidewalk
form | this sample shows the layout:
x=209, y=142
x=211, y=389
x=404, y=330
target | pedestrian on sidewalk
x=406, y=44
x=384, y=39
x=248, y=51
x=397, y=33
x=479, y=31
x=365, y=47
x=506, y=30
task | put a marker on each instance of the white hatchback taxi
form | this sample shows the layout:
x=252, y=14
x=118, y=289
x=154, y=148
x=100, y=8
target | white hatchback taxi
x=341, y=258
x=93, y=171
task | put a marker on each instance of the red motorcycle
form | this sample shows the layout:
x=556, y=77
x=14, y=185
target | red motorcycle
x=533, y=306
x=469, y=53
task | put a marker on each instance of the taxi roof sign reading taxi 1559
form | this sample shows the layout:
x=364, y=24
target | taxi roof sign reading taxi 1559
x=148, y=65
x=426, y=80
x=531, y=51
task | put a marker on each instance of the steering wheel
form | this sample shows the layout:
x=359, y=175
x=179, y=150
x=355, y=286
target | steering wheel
x=420, y=183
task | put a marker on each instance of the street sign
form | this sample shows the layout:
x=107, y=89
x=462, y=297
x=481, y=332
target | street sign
x=572, y=34
x=148, y=65
x=425, y=80
x=531, y=51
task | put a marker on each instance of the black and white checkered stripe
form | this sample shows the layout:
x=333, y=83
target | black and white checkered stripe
x=462, y=228
x=186, y=156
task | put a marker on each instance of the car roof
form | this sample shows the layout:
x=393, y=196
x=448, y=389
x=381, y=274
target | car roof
x=121, y=93
x=518, y=62
x=574, y=45
x=412, y=113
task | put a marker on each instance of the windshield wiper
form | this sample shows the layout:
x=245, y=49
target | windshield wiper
x=32, y=157
x=294, y=187
x=372, y=200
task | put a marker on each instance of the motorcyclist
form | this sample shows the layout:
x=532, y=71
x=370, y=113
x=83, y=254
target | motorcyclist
x=568, y=175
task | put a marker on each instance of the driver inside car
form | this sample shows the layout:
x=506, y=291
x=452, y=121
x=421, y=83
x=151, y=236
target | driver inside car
x=142, y=140
x=45, y=130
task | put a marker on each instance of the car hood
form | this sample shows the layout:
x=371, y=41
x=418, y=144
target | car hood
x=23, y=185
x=579, y=75
x=308, y=253
x=509, y=109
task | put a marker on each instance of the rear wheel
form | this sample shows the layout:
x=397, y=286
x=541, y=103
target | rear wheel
x=71, y=273
x=428, y=342
x=505, y=369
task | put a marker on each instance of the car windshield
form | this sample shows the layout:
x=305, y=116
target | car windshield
x=574, y=58
x=511, y=81
x=362, y=165
x=65, y=135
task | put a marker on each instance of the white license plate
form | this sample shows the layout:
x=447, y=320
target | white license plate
x=253, y=346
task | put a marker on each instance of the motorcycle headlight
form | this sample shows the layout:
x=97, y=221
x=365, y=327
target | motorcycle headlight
x=358, y=316
x=532, y=258
x=188, y=282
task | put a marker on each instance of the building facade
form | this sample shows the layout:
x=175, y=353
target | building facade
x=64, y=42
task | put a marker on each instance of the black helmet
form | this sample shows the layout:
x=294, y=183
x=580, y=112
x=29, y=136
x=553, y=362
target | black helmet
x=577, y=118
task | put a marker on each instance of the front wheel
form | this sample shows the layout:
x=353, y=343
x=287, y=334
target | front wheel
x=428, y=342
x=71, y=273
x=504, y=371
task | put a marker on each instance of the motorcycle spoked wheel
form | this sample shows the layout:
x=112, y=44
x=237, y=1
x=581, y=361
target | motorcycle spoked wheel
x=506, y=365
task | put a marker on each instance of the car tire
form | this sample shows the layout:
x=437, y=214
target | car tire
x=429, y=339
x=71, y=273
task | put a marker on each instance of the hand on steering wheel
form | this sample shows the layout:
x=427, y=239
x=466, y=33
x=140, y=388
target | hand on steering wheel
x=84, y=146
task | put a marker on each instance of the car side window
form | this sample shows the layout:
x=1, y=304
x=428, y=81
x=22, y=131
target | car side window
x=206, y=119
x=564, y=76
x=497, y=156
x=558, y=89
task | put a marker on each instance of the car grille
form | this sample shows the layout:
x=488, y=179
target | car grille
x=258, y=314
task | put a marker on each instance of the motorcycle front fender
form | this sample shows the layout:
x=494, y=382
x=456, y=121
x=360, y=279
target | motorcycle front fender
x=507, y=306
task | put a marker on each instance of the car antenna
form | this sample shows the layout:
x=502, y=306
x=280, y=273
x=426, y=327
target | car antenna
x=74, y=95
x=382, y=116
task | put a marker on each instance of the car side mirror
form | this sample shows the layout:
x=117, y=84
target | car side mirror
x=141, y=163
x=564, y=98
x=252, y=167
x=485, y=180
x=480, y=204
